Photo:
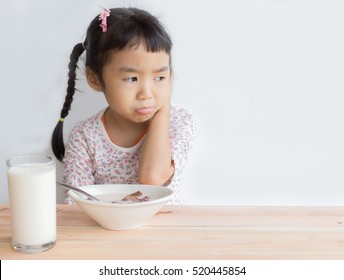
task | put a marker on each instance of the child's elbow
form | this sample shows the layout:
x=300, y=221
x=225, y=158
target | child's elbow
x=152, y=178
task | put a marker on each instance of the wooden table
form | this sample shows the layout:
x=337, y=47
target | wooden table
x=196, y=232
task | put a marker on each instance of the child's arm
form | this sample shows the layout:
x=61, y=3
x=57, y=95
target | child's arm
x=78, y=168
x=156, y=166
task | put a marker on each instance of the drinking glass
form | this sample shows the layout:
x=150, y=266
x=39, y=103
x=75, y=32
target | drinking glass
x=32, y=193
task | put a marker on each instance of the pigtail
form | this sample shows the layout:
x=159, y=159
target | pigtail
x=57, y=143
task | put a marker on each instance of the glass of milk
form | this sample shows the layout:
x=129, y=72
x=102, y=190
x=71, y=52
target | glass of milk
x=32, y=192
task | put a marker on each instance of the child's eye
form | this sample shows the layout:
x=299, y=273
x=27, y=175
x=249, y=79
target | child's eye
x=131, y=79
x=160, y=78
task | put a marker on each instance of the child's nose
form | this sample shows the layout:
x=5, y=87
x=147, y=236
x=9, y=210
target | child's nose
x=145, y=92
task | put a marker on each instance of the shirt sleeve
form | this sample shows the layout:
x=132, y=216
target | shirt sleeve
x=78, y=167
x=183, y=131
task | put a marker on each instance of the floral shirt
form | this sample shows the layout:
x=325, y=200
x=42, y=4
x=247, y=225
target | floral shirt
x=92, y=158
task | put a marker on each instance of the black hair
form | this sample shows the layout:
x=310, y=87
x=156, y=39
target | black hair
x=127, y=28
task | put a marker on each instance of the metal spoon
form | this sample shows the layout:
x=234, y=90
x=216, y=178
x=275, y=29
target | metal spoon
x=90, y=197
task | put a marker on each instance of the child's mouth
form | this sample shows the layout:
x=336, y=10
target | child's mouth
x=144, y=110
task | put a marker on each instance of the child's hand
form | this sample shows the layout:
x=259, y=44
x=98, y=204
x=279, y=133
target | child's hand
x=166, y=101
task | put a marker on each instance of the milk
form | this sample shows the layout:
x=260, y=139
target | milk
x=32, y=191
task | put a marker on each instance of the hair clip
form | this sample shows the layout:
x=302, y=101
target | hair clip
x=102, y=16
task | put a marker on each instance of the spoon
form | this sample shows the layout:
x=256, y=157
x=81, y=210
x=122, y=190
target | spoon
x=89, y=196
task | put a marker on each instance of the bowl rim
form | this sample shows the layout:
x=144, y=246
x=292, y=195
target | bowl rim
x=78, y=199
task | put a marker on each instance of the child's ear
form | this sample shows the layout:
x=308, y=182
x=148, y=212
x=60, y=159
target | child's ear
x=93, y=80
x=171, y=81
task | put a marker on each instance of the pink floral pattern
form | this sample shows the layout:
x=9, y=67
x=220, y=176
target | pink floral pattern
x=91, y=157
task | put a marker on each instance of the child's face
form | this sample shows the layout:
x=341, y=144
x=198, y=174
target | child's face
x=137, y=83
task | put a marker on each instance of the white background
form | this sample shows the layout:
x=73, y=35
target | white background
x=265, y=80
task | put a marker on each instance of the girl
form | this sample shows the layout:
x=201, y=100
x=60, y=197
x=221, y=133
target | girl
x=140, y=137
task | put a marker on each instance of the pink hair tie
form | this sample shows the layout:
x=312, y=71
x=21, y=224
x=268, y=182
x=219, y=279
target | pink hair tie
x=102, y=16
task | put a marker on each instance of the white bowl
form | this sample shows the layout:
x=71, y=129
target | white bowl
x=116, y=216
